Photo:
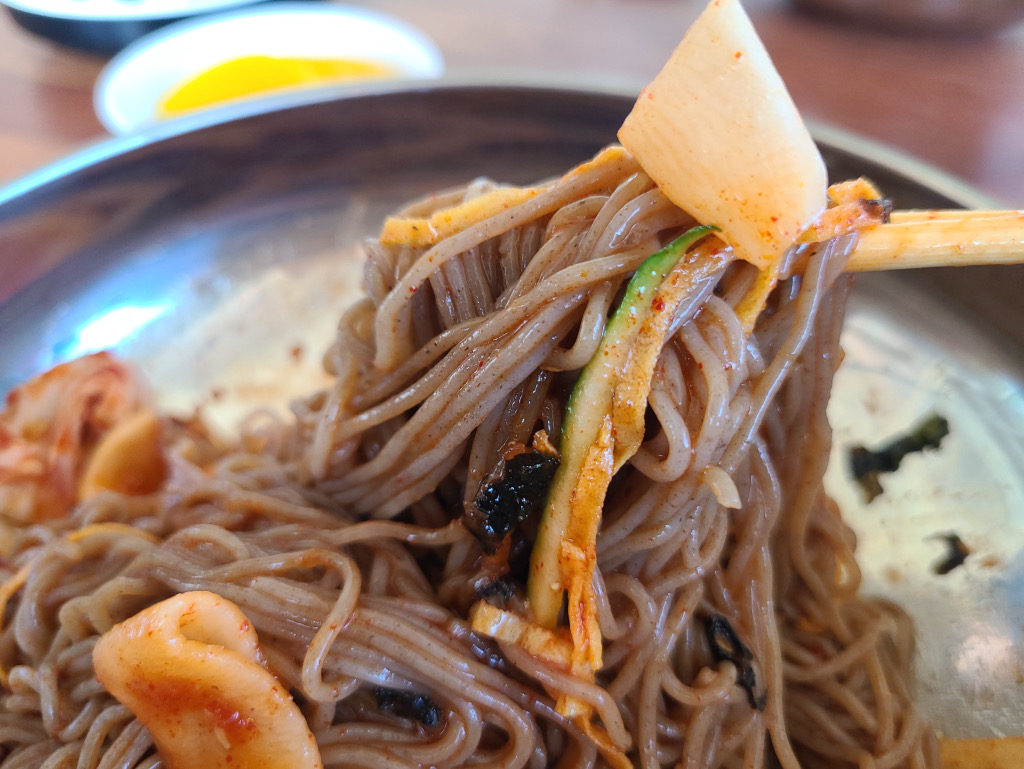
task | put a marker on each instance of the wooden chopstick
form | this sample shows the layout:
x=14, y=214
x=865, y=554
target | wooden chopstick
x=915, y=239
x=985, y=753
x=945, y=214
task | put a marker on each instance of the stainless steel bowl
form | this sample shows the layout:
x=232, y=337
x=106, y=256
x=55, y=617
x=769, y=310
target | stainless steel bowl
x=206, y=256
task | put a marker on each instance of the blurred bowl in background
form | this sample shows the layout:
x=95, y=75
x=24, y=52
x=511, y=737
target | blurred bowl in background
x=264, y=50
x=945, y=17
x=106, y=26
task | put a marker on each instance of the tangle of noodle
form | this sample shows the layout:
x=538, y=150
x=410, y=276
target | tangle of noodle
x=351, y=514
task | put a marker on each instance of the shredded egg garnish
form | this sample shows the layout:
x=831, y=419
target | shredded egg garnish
x=256, y=75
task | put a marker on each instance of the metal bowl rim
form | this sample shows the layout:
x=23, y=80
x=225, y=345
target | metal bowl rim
x=914, y=169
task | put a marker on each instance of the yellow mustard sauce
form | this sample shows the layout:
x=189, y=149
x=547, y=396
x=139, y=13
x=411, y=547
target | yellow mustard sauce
x=252, y=75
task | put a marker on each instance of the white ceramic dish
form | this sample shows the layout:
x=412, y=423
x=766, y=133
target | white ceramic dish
x=130, y=87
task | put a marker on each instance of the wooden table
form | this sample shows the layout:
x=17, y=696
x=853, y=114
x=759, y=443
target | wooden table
x=958, y=104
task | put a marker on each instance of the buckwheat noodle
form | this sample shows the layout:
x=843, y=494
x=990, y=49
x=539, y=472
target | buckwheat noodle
x=338, y=533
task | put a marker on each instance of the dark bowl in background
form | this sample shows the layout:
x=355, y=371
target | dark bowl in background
x=954, y=18
x=84, y=30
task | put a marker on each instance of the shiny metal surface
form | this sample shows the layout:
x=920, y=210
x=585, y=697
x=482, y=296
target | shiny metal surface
x=220, y=259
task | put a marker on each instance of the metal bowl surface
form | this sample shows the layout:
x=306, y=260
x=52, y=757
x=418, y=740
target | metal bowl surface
x=219, y=259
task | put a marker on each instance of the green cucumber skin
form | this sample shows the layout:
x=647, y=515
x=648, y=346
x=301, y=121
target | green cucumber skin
x=651, y=272
x=594, y=387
